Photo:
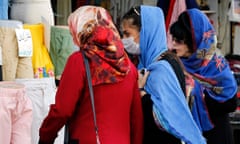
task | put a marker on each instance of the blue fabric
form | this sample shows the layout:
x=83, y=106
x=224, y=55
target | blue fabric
x=198, y=108
x=211, y=72
x=4, y=9
x=169, y=103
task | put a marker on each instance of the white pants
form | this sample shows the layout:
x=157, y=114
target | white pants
x=42, y=93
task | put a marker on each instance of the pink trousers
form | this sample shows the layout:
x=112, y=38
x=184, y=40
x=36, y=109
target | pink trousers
x=15, y=114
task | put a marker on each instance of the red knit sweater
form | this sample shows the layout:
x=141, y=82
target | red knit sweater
x=118, y=108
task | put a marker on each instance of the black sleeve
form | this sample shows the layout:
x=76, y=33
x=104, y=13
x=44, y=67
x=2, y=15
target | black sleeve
x=147, y=105
x=149, y=122
x=220, y=108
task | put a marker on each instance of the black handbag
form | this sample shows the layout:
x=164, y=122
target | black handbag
x=66, y=132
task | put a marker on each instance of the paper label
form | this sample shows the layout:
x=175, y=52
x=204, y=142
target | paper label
x=24, y=39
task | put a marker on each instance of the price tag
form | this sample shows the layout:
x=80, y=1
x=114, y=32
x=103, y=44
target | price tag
x=24, y=39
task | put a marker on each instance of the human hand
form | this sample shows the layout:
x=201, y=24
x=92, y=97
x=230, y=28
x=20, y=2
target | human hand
x=142, y=77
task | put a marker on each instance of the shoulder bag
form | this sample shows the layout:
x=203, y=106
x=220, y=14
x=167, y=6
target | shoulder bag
x=66, y=133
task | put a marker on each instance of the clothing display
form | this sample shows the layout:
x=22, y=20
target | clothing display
x=41, y=61
x=61, y=46
x=33, y=12
x=42, y=94
x=0, y=72
x=13, y=66
x=11, y=23
x=15, y=114
x=64, y=8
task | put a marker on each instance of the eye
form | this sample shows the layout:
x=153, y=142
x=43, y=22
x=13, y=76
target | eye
x=126, y=34
x=178, y=41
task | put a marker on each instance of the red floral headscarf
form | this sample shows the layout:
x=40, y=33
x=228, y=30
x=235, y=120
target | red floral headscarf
x=96, y=35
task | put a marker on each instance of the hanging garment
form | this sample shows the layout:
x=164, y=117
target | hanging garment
x=13, y=66
x=11, y=23
x=119, y=7
x=178, y=7
x=1, y=73
x=15, y=114
x=236, y=49
x=32, y=12
x=172, y=9
x=4, y=9
x=64, y=8
x=41, y=62
x=77, y=3
x=61, y=46
x=42, y=94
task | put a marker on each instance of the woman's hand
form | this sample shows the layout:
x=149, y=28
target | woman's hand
x=142, y=78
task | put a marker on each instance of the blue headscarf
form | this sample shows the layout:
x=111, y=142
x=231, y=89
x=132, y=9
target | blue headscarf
x=169, y=104
x=210, y=71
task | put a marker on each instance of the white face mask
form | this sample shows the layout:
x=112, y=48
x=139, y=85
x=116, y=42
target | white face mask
x=131, y=46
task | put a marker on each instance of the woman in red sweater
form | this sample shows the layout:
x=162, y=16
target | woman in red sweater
x=114, y=80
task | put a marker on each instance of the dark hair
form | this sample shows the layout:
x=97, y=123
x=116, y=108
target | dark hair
x=135, y=14
x=181, y=30
x=177, y=66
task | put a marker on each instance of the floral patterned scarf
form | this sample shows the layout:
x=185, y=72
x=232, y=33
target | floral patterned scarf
x=210, y=72
x=96, y=35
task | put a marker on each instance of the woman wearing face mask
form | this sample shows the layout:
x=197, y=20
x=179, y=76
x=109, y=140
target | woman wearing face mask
x=167, y=118
x=212, y=82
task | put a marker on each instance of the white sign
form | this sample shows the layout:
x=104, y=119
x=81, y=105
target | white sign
x=24, y=39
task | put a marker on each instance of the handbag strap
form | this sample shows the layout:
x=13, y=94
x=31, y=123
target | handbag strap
x=91, y=95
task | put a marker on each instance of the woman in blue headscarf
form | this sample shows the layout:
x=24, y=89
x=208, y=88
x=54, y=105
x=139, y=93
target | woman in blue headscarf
x=167, y=118
x=211, y=82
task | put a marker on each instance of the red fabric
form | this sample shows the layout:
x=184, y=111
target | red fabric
x=110, y=63
x=95, y=34
x=238, y=98
x=80, y=3
x=169, y=14
x=118, y=108
x=178, y=7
